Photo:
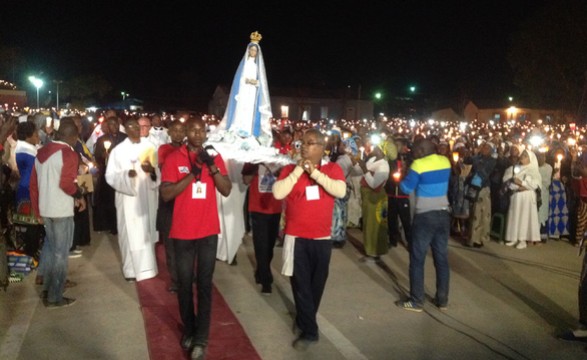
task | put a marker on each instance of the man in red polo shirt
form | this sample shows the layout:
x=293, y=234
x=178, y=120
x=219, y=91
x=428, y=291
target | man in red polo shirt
x=191, y=176
x=265, y=213
x=309, y=189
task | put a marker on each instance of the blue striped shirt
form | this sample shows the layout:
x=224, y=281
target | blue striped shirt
x=429, y=177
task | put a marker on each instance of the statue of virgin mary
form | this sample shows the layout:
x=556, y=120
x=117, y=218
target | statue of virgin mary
x=248, y=112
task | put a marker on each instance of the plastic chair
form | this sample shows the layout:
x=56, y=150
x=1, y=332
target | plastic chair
x=498, y=226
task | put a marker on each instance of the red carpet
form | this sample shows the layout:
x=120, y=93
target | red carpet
x=228, y=339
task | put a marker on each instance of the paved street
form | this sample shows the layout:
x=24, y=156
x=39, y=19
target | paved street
x=504, y=304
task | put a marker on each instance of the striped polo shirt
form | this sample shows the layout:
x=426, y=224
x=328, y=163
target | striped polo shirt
x=429, y=177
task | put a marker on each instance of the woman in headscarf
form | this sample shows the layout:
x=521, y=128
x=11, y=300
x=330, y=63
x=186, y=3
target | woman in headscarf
x=374, y=202
x=522, y=220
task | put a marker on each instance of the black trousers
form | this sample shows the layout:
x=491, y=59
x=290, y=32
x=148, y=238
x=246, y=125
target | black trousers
x=311, y=262
x=164, y=217
x=398, y=208
x=265, y=231
x=202, y=254
x=81, y=220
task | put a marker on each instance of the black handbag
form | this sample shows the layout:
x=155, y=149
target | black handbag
x=538, y=197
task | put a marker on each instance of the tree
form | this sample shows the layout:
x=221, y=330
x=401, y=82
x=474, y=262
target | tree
x=549, y=56
x=10, y=60
x=81, y=89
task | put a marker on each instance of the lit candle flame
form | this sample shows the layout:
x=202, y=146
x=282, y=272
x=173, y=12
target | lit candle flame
x=107, y=144
x=396, y=176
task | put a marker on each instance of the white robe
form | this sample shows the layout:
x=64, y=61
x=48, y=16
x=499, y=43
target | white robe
x=246, y=100
x=230, y=213
x=522, y=219
x=136, y=207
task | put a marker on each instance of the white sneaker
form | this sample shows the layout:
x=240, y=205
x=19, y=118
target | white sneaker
x=73, y=255
x=521, y=245
x=510, y=243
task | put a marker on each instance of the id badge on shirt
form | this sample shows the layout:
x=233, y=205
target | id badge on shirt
x=198, y=190
x=312, y=193
x=266, y=183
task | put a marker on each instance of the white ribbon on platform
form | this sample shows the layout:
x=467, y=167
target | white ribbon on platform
x=247, y=149
x=236, y=151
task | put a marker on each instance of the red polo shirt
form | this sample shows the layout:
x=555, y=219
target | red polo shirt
x=311, y=219
x=260, y=202
x=192, y=218
x=163, y=151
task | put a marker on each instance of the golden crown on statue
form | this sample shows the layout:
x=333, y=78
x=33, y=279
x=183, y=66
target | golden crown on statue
x=256, y=37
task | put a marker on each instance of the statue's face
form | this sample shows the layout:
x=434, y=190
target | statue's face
x=253, y=51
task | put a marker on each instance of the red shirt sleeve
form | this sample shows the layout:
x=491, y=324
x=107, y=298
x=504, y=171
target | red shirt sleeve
x=219, y=162
x=169, y=172
x=68, y=182
x=34, y=191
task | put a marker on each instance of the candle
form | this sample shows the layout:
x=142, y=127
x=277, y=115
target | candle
x=455, y=156
x=107, y=144
x=48, y=121
x=362, y=149
x=396, y=176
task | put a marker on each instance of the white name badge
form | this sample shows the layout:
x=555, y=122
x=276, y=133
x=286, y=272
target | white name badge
x=199, y=190
x=312, y=193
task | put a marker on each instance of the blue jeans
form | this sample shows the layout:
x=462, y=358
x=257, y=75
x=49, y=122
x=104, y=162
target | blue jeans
x=55, y=255
x=200, y=253
x=429, y=229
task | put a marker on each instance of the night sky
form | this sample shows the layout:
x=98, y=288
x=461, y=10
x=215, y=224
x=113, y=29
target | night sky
x=151, y=49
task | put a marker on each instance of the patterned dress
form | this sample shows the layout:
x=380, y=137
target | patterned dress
x=558, y=213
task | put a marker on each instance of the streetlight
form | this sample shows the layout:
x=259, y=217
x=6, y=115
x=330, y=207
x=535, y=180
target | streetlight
x=378, y=96
x=412, y=89
x=57, y=82
x=124, y=95
x=38, y=83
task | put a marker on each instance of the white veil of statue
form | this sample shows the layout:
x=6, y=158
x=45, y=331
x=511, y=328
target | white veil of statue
x=248, y=112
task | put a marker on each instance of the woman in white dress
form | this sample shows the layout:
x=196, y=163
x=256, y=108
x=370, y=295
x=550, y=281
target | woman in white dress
x=522, y=221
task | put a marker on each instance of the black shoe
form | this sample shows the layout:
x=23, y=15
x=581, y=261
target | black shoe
x=570, y=336
x=172, y=289
x=131, y=279
x=477, y=245
x=266, y=290
x=338, y=244
x=65, y=302
x=302, y=342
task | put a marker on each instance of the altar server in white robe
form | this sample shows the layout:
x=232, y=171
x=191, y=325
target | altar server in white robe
x=522, y=221
x=133, y=172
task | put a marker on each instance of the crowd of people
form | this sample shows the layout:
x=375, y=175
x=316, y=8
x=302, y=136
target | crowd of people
x=154, y=178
